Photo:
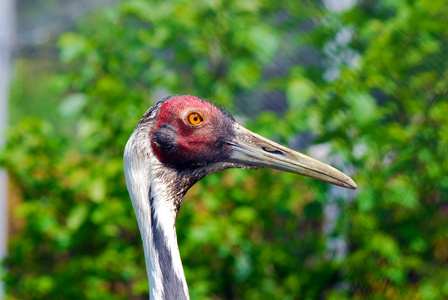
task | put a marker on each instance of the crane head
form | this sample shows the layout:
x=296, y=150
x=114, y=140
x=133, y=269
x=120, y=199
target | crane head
x=190, y=133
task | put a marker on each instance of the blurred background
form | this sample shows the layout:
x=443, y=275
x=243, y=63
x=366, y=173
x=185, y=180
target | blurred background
x=361, y=85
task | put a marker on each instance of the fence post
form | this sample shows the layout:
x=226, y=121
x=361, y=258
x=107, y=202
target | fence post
x=7, y=31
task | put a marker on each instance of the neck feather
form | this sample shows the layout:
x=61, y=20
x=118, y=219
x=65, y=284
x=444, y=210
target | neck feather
x=156, y=202
x=166, y=265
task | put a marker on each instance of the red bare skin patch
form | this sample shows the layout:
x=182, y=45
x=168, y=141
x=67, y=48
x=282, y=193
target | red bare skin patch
x=195, y=143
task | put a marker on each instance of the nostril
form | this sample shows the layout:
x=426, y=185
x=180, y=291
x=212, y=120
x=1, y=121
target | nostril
x=273, y=151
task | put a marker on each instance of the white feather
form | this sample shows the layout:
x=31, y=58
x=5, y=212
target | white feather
x=139, y=167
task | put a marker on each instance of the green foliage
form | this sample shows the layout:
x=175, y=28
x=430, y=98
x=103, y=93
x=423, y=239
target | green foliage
x=242, y=234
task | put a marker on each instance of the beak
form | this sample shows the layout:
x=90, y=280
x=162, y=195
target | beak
x=254, y=150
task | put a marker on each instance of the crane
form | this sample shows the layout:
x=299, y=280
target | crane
x=177, y=142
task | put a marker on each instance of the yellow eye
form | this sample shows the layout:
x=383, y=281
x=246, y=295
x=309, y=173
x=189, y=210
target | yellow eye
x=195, y=118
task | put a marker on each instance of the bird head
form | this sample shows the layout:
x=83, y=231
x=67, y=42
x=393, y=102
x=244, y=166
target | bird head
x=191, y=135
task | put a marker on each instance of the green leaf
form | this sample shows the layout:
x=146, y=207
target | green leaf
x=363, y=106
x=77, y=216
x=299, y=92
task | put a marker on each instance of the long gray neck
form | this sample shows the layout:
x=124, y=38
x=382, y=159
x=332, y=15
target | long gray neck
x=156, y=204
x=167, y=278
